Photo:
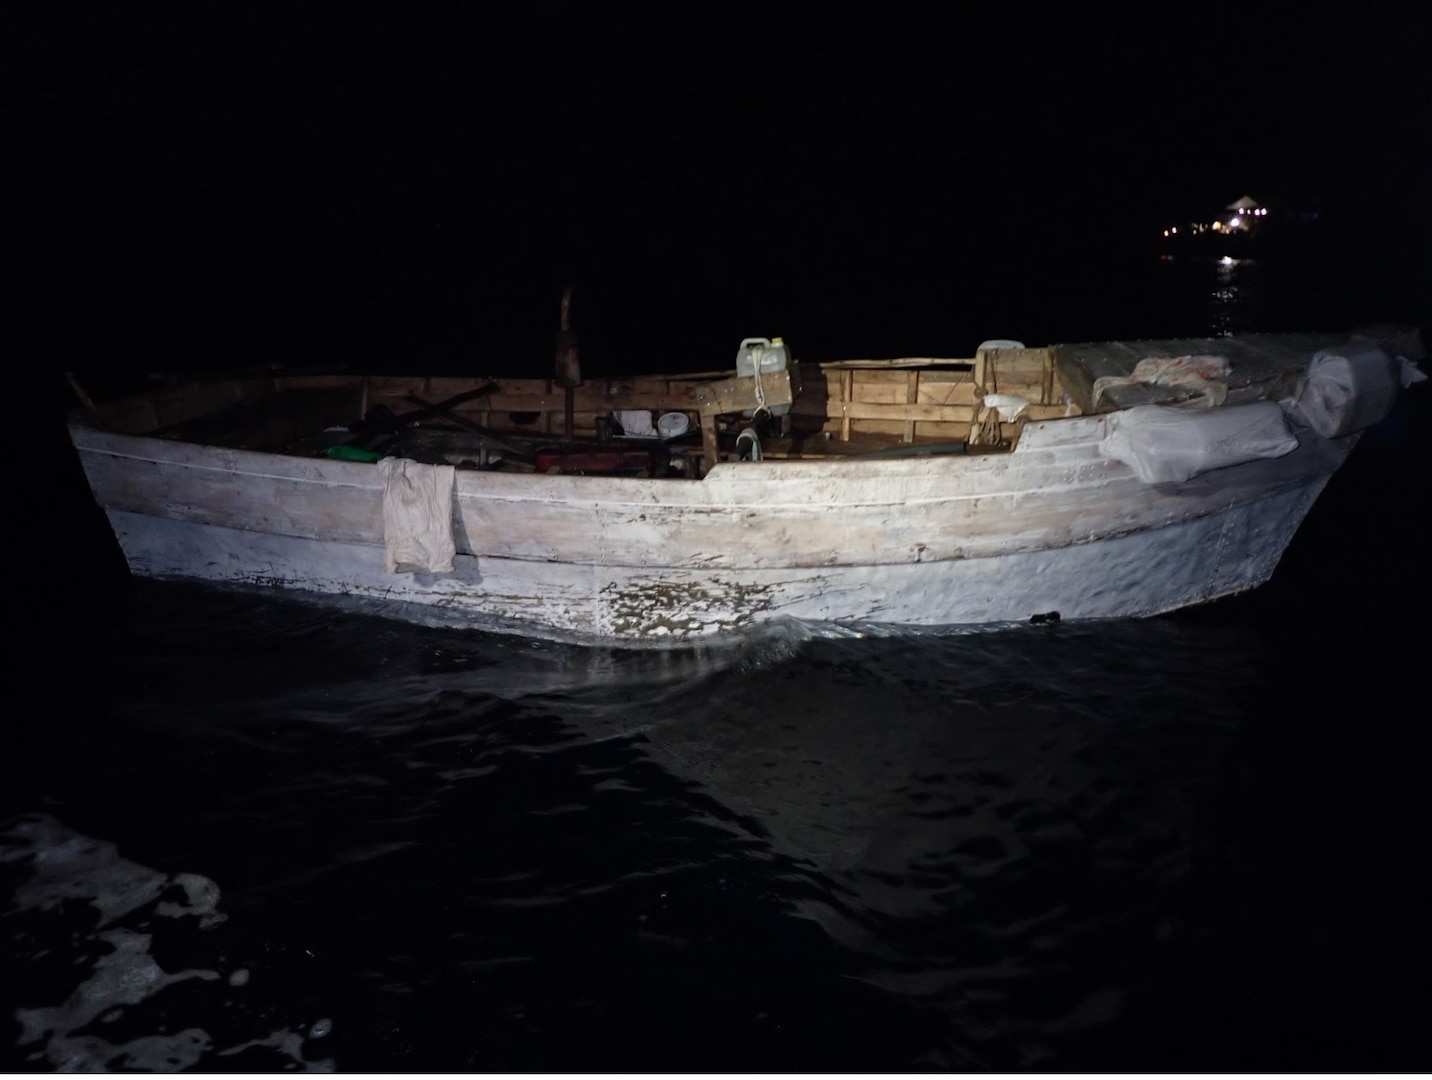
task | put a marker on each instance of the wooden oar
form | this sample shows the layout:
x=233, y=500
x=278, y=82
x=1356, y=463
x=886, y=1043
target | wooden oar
x=476, y=429
x=382, y=421
x=428, y=411
x=88, y=402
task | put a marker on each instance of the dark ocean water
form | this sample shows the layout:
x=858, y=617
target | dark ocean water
x=242, y=831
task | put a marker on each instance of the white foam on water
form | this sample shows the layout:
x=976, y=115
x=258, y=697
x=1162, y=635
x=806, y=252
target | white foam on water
x=148, y=1053
x=287, y=1042
x=202, y=899
x=67, y=866
x=125, y=976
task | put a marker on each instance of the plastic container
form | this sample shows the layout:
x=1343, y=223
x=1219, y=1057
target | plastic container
x=352, y=453
x=672, y=425
x=767, y=356
x=769, y=353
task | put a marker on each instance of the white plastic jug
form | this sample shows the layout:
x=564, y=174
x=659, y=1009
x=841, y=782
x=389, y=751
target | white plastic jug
x=765, y=356
x=770, y=354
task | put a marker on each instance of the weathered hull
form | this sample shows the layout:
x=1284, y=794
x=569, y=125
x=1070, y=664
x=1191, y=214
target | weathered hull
x=927, y=541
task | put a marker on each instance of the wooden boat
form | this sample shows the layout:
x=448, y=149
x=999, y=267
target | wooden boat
x=1092, y=481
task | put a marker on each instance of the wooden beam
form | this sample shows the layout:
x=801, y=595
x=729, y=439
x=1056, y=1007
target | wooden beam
x=85, y=400
x=910, y=361
x=709, y=452
x=847, y=379
x=740, y=394
x=912, y=395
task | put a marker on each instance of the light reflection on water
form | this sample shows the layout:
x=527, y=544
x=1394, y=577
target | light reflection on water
x=1233, y=298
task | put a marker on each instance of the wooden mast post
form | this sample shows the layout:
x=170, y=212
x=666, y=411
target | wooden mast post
x=569, y=366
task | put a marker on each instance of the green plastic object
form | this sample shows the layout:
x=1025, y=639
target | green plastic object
x=352, y=453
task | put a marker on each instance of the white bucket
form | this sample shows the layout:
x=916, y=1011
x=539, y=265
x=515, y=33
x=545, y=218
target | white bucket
x=673, y=424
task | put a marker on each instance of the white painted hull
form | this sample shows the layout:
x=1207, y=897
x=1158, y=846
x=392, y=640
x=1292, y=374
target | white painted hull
x=920, y=541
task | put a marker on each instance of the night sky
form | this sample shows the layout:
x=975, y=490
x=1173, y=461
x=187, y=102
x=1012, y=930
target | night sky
x=239, y=178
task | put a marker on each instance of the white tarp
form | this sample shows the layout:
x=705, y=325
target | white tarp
x=1350, y=388
x=1168, y=445
x=1204, y=376
x=417, y=516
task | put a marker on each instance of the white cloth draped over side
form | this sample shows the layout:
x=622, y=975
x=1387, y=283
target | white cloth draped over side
x=417, y=516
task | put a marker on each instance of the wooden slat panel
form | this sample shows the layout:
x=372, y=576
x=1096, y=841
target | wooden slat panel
x=439, y=388
x=398, y=385
x=930, y=377
x=894, y=428
x=928, y=429
x=1026, y=372
x=932, y=429
x=869, y=410
x=962, y=393
x=884, y=393
x=681, y=397
x=891, y=377
x=1033, y=392
x=276, y=420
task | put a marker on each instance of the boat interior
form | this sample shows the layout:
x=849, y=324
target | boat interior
x=772, y=408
